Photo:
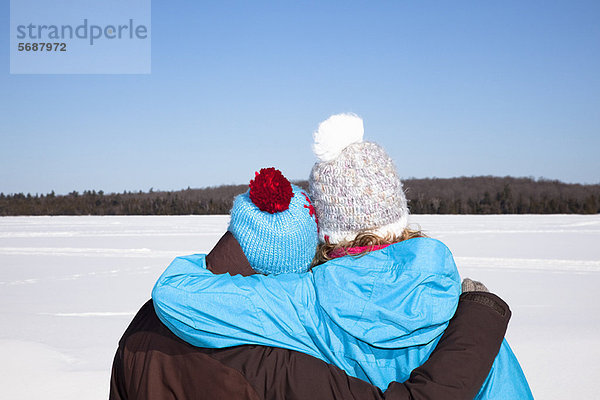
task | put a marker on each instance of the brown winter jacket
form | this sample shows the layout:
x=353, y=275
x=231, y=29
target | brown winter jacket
x=152, y=363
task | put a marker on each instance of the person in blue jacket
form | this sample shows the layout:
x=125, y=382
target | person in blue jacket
x=378, y=298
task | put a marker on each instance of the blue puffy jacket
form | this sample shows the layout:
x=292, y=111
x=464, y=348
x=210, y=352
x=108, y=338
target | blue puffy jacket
x=378, y=316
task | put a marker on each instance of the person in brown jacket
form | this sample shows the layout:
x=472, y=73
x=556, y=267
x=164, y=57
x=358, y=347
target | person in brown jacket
x=152, y=363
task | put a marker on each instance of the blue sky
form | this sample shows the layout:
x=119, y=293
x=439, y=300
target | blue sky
x=448, y=88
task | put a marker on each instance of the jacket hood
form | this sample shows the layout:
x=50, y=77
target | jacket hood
x=400, y=296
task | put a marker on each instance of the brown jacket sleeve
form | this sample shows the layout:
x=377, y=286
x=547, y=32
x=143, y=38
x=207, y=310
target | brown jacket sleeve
x=455, y=370
x=464, y=355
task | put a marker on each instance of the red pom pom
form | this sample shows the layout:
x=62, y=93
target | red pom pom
x=270, y=191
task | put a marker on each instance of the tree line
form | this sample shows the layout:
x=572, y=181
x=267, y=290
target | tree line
x=464, y=195
x=501, y=195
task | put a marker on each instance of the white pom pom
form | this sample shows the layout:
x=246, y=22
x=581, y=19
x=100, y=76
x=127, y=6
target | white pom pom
x=335, y=134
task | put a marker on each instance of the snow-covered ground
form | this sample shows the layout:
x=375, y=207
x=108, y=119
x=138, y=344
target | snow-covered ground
x=70, y=285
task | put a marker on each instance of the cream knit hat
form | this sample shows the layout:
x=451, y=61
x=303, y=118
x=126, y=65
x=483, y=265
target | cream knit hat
x=354, y=184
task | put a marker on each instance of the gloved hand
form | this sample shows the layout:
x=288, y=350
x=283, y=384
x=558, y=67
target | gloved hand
x=469, y=285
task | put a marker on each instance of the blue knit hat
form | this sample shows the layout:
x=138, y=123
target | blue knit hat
x=275, y=223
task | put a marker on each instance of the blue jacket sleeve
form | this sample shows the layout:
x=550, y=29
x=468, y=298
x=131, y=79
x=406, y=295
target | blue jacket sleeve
x=216, y=311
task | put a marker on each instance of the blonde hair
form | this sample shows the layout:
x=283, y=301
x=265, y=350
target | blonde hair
x=363, y=239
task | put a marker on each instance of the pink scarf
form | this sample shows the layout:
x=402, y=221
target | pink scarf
x=350, y=251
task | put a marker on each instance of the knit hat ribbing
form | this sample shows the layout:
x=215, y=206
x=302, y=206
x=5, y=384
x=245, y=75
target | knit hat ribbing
x=355, y=187
x=275, y=239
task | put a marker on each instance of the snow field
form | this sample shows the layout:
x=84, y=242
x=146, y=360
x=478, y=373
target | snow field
x=70, y=285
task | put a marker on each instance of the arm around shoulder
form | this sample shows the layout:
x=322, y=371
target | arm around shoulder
x=209, y=310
